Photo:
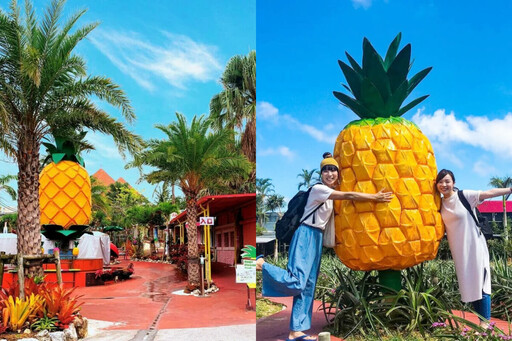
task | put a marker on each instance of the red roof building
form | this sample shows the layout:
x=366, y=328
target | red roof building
x=234, y=226
x=103, y=178
x=494, y=206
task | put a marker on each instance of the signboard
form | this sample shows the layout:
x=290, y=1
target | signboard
x=245, y=274
x=206, y=220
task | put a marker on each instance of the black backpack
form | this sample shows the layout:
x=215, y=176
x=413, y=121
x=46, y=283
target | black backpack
x=482, y=223
x=291, y=220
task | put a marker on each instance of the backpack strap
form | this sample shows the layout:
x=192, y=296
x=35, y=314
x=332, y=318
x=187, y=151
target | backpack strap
x=309, y=215
x=466, y=204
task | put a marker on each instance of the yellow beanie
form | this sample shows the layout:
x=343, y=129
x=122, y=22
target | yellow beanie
x=328, y=161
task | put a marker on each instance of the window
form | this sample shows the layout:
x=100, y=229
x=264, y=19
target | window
x=226, y=239
x=219, y=240
x=232, y=239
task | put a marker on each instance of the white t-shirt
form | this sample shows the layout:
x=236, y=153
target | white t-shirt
x=319, y=194
x=468, y=246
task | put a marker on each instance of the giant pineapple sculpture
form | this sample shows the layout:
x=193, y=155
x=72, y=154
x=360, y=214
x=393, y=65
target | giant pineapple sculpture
x=385, y=151
x=64, y=187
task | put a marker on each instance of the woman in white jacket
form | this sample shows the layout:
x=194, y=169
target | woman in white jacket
x=467, y=244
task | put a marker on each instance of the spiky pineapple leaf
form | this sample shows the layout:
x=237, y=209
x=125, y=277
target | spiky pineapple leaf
x=412, y=105
x=348, y=89
x=392, y=50
x=352, y=77
x=371, y=98
x=397, y=98
x=354, y=64
x=57, y=157
x=354, y=105
x=399, y=68
x=373, y=67
x=417, y=78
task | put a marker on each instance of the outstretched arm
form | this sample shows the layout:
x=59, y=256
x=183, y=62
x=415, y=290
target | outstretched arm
x=381, y=196
x=495, y=192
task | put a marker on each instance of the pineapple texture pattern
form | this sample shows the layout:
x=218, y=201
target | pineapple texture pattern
x=65, y=194
x=394, y=155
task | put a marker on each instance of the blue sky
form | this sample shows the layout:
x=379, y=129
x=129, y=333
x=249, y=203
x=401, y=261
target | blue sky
x=468, y=116
x=167, y=56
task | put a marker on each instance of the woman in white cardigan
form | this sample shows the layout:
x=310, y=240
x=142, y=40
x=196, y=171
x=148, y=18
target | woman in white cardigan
x=467, y=244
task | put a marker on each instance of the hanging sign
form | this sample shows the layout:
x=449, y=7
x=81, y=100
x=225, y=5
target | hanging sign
x=206, y=220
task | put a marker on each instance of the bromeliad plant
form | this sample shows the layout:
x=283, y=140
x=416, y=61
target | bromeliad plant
x=17, y=311
x=59, y=303
x=45, y=323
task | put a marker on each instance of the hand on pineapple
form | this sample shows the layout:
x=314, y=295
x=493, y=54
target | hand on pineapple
x=382, y=196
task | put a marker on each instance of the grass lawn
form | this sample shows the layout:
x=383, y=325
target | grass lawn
x=265, y=307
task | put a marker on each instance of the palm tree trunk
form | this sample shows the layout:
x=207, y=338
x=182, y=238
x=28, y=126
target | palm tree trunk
x=505, y=229
x=29, y=236
x=193, y=251
x=249, y=140
x=173, y=197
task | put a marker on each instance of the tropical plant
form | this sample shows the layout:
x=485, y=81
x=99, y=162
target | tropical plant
x=197, y=158
x=99, y=202
x=4, y=185
x=59, y=303
x=45, y=323
x=307, y=178
x=383, y=151
x=43, y=84
x=235, y=106
x=17, y=311
x=274, y=202
x=502, y=183
x=264, y=187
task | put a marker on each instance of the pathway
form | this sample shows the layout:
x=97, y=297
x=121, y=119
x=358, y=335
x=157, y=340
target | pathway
x=145, y=308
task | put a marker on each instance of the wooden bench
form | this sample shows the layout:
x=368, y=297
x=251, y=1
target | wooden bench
x=249, y=303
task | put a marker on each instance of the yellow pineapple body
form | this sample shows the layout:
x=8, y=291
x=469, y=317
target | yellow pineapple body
x=65, y=194
x=394, y=155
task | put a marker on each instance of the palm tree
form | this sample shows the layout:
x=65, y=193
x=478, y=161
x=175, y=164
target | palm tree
x=263, y=188
x=198, y=158
x=43, y=84
x=503, y=183
x=4, y=180
x=307, y=177
x=235, y=106
x=274, y=202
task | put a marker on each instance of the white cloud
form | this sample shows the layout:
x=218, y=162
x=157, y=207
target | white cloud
x=362, y=3
x=267, y=112
x=281, y=150
x=492, y=135
x=105, y=149
x=178, y=61
x=484, y=169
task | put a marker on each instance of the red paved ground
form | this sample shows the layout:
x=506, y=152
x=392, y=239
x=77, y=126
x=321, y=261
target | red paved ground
x=275, y=327
x=137, y=302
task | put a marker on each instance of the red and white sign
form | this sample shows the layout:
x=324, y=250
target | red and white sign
x=206, y=220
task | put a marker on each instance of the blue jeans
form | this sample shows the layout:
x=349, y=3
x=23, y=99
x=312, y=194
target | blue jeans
x=299, y=278
x=483, y=306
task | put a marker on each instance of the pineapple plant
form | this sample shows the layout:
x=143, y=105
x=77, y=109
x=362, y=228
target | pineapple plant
x=64, y=187
x=382, y=150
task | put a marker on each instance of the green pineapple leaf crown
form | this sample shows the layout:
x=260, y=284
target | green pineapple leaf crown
x=380, y=86
x=64, y=150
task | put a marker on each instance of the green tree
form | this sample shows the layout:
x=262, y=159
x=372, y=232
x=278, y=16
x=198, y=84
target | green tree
x=307, y=178
x=275, y=202
x=4, y=185
x=502, y=183
x=198, y=158
x=235, y=106
x=43, y=84
x=121, y=198
x=264, y=187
